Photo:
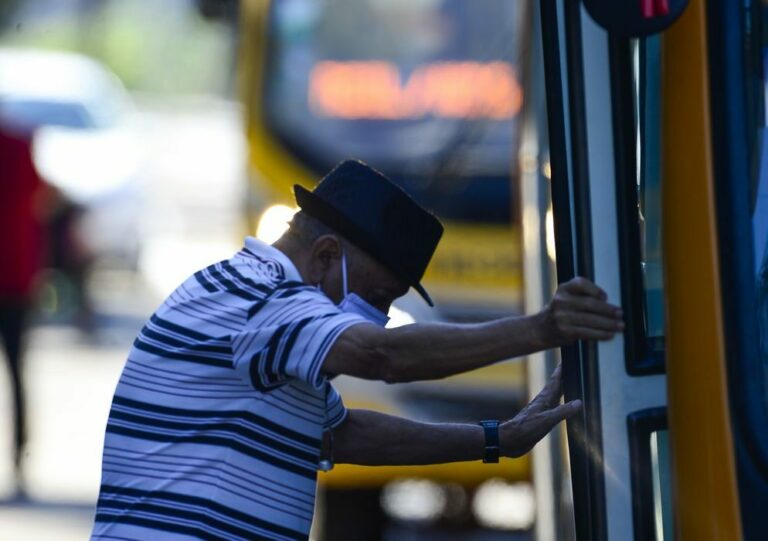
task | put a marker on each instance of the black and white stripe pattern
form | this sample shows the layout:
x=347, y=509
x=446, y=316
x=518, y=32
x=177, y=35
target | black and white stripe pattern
x=217, y=420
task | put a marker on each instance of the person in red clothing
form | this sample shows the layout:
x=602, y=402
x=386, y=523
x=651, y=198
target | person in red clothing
x=21, y=257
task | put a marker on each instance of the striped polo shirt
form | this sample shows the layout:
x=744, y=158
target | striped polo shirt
x=217, y=419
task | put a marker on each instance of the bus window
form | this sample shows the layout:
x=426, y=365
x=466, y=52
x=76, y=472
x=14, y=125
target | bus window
x=755, y=92
x=636, y=72
x=427, y=91
x=646, y=78
x=738, y=77
x=759, y=188
x=646, y=61
x=760, y=231
x=761, y=243
x=662, y=484
x=650, y=464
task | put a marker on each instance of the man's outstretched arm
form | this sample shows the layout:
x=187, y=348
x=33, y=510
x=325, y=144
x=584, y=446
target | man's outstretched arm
x=376, y=439
x=578, y=311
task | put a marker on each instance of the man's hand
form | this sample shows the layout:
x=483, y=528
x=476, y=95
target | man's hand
x=579, y=311
x=542, y=414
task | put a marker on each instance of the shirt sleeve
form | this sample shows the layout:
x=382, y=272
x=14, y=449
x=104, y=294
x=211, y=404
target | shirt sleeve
x=335, y=411
x=287, y=336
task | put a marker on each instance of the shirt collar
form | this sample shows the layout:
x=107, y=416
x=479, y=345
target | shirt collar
x=262, y=249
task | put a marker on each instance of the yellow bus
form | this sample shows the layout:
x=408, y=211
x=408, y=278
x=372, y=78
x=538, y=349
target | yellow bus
x=428, y=92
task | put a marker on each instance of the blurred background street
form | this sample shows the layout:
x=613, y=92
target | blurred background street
x=71, y=373
x=190, y=140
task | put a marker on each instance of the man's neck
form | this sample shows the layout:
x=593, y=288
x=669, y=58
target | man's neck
x=293, y=252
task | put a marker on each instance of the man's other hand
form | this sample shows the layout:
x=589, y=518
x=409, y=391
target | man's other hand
x=579, y=311
x=542, y=414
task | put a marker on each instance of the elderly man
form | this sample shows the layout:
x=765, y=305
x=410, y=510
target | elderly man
x=225, y=410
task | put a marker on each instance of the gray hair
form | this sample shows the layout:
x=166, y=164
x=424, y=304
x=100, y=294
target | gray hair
x=306, y=229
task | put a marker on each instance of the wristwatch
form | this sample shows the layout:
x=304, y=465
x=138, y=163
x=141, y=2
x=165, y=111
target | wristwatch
x=491, y=429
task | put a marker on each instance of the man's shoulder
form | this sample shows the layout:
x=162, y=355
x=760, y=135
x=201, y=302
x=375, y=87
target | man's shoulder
x=256, y=269
x=256, y=276
x=267, y=262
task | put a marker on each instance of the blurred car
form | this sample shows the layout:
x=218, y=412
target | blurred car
x=86, y=143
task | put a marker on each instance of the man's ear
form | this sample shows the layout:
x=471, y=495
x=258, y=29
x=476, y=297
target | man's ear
x=324, y=251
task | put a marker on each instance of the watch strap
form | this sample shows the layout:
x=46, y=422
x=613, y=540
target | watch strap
x=492, y=447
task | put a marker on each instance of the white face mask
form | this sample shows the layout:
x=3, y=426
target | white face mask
x=354, y=304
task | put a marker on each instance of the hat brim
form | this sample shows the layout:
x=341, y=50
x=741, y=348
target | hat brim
x=328, y=215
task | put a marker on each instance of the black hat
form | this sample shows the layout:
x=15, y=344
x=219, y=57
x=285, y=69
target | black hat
x=377, y=216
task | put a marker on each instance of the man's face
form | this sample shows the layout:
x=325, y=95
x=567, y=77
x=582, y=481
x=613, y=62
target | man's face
x=372, y=281
x=365, y=276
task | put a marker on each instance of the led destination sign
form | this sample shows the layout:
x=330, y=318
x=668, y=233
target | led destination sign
x=377, y=90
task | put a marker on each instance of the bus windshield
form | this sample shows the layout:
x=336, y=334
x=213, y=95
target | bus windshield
x=429, y=91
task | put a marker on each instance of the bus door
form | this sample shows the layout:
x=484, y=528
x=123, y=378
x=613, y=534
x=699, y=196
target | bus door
x=603, y=117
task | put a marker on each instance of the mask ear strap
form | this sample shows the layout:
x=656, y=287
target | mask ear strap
x=344, y=271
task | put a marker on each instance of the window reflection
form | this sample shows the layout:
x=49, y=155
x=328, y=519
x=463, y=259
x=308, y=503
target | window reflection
x=762, y=308
x=662, y=490
x=646, y=55
x=760, y=236
x=758, y=48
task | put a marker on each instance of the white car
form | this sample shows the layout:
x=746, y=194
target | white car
x=86, y=141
